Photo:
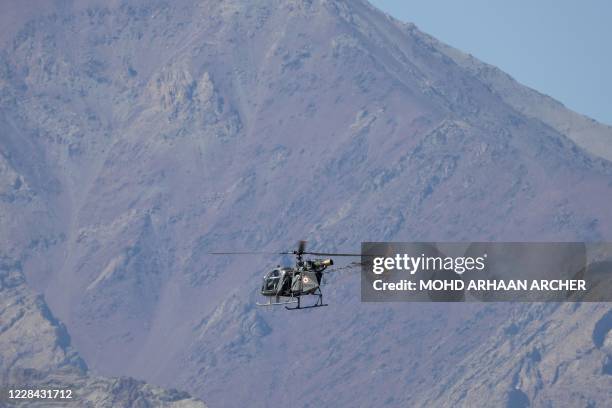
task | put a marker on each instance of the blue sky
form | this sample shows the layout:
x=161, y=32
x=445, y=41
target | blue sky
x=561, y=48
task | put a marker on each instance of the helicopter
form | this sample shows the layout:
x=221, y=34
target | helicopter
x=286, y=285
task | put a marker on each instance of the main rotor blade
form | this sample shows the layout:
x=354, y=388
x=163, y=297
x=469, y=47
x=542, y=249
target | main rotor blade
x=336, y=254
x=249, y=253
x=348, y=266
x=290, y=253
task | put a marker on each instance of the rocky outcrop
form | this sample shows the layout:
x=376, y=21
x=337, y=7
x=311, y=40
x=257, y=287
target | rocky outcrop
x=36, y=353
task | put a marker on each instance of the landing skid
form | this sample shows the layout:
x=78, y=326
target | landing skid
x=306, y=307
x=318, y=304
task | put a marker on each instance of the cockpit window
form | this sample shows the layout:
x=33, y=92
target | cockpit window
x=271, y=279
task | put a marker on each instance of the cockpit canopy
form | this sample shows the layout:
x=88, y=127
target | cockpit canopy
x=273, y=281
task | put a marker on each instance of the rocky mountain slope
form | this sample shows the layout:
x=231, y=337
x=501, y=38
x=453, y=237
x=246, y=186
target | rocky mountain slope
x=35, y=352
x=136, y=136
x=589, y=134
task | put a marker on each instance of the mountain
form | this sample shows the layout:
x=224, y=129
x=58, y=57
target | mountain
x=35, y=352
x=587, y=133
x=136, y=136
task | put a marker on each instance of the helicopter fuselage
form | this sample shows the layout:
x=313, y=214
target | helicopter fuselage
x=303, y=279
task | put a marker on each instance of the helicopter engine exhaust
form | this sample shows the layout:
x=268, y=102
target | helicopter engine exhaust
x=327, y=262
